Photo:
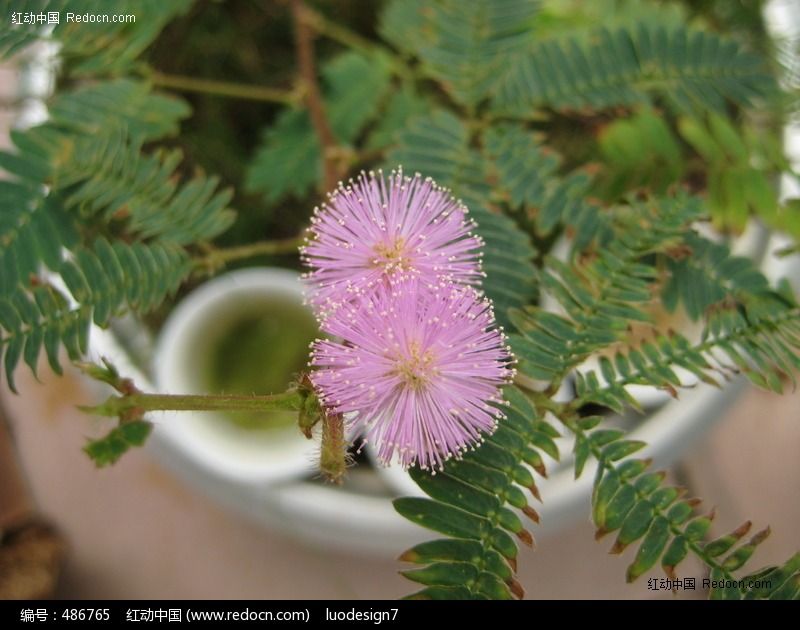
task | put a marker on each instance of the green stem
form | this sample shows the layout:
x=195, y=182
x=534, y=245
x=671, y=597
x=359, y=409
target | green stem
x=541, y=399
x=139, y=403
x=339, y=33
x=224, y=88
x=216, y=258
x=343, y=35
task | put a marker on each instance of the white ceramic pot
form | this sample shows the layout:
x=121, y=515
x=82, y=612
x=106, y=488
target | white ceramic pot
x=228, y=451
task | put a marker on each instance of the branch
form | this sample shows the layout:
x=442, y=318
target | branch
x=344, y=36
x=132, y=403
x=138, y=403
x=313, y=97
x=214, y=259
x=224, y=88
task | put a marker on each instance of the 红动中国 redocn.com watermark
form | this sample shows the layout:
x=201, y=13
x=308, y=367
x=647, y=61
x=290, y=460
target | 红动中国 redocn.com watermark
x=57, y=17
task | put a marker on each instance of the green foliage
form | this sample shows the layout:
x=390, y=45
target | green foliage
x=103, y=281
x=639, y=152
x=463, y=46
x=602, y=296
x=146, y=114
x=486, y=49
x=630, y=499
x=404, y=105
x=89, y=209
x=108, y=449
x=471, y=502
x=288, y=161
x=98, y=175
x=358, y=86
x=138, y=276
x=109, y=175
x=528, y=175
x=740, y=166
x=107, y=48
x=707, y=275
x=764, y=348
x=40, y=317
x=691, y=68
x=33, y=230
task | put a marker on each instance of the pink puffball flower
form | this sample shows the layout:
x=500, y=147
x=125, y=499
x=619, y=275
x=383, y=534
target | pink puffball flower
x=420, y=368
x=377, y=228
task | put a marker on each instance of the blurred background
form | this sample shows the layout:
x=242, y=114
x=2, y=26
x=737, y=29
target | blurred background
x=136, y=530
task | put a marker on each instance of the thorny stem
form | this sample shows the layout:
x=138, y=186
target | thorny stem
x=217, y=258
x=225, y=88
x=313, y=98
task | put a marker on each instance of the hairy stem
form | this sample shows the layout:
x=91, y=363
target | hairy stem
x=304, y=46
x=333, y=448
x=138, y=403
x=224, y=88
x=216, y=258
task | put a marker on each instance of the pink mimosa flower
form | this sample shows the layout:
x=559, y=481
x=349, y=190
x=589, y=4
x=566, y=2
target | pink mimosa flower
x=421, y=368
x=377, y=228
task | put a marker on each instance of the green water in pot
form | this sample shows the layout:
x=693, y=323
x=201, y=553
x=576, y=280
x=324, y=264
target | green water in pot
x=259, y=351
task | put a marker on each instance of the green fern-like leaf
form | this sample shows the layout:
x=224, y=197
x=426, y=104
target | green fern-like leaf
x=602, y=296
x=474, y=501
x=404, y=105
x=36, y=319
x=631, y=500
x=780, y=582
x=120, y=102
x=102, y=281
x=33, y=231
x=109, y=276
x=692, y=68
x=357, y=86
x=464, y=46
x=765, y=347
x=108, y=174
x=527, y=172
x=707, y=275
x=289, y=161
x=403, y=24
x=112, y=48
